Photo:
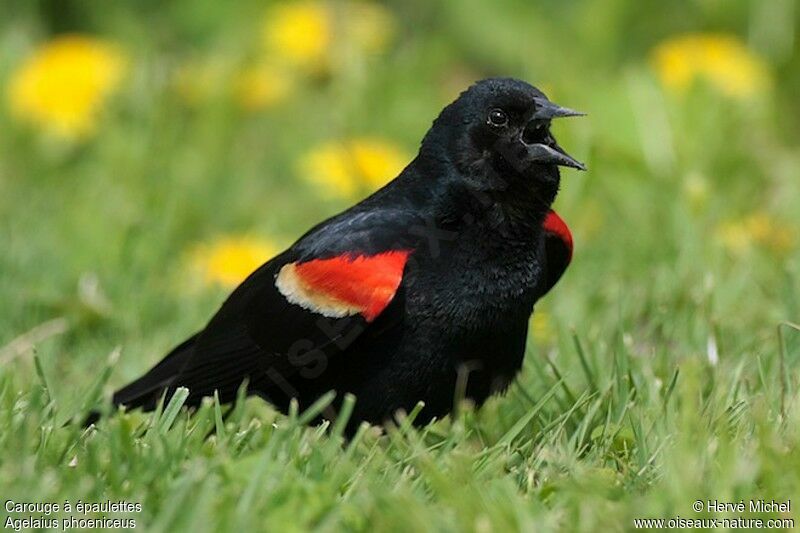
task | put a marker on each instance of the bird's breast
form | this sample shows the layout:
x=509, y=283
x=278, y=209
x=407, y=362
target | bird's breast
x=473, y=291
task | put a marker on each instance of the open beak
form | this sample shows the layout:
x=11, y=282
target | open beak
x=548, y=151
x=552, y=154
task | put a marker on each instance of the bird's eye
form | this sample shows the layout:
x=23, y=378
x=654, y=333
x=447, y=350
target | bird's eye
x=497, y=117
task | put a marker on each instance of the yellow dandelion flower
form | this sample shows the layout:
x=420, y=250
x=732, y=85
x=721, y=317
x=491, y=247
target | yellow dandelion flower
x=344, y=169
x=695, y=188
x=329, y=168
x=300, y=32
x=541, y=326
x=62, y=87
x=770, y=233
x=230, y=260
x=734, y=236
x=369, y=25
x=724, y=61
x=376, y=162
x=316, y=36
x=759, y=226
x=259, y=87
x=740, y=236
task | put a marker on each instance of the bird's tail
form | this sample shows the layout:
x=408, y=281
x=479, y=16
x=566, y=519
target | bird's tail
x=146, y=391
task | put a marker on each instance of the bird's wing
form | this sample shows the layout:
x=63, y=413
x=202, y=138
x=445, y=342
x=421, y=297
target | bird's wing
x=558, y=251
x=303, y=307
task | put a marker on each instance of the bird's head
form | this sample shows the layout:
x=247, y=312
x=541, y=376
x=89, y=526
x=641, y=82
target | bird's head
x=497, y=134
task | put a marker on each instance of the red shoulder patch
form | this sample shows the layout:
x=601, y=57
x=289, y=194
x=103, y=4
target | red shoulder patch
x=344, y=285
x=555, y=225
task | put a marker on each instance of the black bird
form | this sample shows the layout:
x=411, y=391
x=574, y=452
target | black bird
x=423, y=288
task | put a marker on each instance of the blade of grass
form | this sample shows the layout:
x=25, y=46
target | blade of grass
x=560, y=380
x=37, y=361
x=345, y=411
x=670, y=388
x=316, y=408
x=782, y=361
x=92, y=398
x=219, y=423
x=172, y=409
x=517, y=428
x=584, y=363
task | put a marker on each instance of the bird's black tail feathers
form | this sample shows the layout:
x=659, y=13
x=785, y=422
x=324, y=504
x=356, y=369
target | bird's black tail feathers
x=146, y=391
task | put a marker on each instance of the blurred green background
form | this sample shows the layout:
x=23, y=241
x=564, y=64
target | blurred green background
x=153, y=153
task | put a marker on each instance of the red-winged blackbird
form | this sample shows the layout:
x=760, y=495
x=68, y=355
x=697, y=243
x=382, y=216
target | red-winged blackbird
x=426, y=284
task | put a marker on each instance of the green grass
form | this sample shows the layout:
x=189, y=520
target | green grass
x=672, y=371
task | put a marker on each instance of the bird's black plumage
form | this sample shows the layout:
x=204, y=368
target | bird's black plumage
x=453, y=254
